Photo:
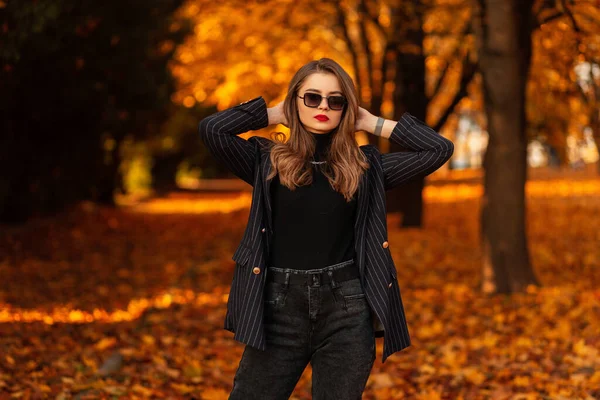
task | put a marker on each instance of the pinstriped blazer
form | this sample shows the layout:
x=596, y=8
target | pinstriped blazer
x=249, y=160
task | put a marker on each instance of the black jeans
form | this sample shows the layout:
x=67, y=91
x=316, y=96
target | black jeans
x=328, y=325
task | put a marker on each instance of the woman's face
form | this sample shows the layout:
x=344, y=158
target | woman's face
x=326, y=85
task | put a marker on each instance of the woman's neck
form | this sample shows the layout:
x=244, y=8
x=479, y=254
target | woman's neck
x=323, y=140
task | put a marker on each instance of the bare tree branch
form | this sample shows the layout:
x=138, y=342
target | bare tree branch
x=288, y=14
x=447, y=7
x=374, y=21
x=569, y=14
x=443, y=34
x=468, y=73
x=589, y=18
x=440, y=80
x=365, y=42
x=540, y=7
x=549, y=18
x=455, y=55
x=341, y=18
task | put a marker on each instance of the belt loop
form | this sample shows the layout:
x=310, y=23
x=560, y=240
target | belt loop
x=287, y=279
x=316, y=281
x=333, y=284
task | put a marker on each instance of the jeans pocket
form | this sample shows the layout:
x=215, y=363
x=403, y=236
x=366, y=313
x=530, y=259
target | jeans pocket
x=352, y=293
x=355, y=296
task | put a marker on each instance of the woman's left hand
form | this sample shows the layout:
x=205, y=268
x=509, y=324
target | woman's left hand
x=363, y=120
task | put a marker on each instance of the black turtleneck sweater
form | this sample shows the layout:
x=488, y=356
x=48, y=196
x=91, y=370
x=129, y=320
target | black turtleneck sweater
x=313, y=226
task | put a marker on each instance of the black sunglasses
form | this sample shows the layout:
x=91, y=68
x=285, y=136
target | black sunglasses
x=313, y=100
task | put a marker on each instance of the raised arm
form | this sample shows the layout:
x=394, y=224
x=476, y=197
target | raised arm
x=219, y=133
x=428, y=150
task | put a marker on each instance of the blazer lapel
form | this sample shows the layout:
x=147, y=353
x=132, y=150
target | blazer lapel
x=265, y=168
x=360, y=221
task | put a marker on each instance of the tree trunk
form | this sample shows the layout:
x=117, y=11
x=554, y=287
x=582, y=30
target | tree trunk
x=504, y=39
x=108, y=179
x=409, y=95
x=164, y=172
x=595, y=126
x=595, y=121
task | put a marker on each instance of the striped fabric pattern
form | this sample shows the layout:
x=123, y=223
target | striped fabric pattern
x=249, y=160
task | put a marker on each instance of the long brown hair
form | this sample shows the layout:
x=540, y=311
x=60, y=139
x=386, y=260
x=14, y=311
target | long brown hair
x=291, y=159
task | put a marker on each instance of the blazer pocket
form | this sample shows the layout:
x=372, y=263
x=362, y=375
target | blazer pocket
x=241, y=254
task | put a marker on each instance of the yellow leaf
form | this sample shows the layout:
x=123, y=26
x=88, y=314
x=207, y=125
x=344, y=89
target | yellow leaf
x=182, y=388
x=167, y=340
x=524, y=342
x=159, y=360
x=62, y=396
x=582, y=350
x=474, y=375
x=426, y=369
x=595, y=379
x=431, y=330
x=170, y=372
x=141, y=390
x=522, y=381
x=381, y=380
x=127, y=351
x=430, y=394
x=115, y=390
x=105, y=343
x=148, y=339
x=215, y=394
x=89, y=362
x=44, y=388
x=526, y=396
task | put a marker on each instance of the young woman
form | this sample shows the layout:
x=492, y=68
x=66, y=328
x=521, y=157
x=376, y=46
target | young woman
x=314, y=278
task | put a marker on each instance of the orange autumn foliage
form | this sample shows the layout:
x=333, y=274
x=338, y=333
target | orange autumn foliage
x=170, y=273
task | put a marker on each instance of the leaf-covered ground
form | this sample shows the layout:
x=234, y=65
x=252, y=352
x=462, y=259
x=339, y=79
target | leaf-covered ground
x=101, y=303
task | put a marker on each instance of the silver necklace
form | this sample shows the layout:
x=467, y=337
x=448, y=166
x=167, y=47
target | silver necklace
x=318, y=162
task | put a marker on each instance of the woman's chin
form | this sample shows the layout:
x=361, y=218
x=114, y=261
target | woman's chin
x=313, y=129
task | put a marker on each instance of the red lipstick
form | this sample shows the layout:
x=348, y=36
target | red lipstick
x=322, y=117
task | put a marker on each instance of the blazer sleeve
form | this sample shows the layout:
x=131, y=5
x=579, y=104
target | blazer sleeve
x=428, y=150
x=219, y=133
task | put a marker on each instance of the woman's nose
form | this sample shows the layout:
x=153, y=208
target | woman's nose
x=324, y=104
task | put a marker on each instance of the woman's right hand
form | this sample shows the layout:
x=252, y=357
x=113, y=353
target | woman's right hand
x=276, y=115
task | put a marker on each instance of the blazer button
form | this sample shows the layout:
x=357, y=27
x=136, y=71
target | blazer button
x=263, y=230
x=390, y=285
x=256, y=270
x=385, y=244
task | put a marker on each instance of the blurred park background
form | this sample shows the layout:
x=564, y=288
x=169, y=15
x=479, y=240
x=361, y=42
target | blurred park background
x=117, y=226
